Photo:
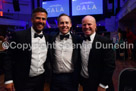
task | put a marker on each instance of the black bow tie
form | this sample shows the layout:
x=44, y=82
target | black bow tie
x=64, y=36
x=87, y=38
x=38, y=35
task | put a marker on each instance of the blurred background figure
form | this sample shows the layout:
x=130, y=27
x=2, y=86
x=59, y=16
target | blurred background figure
x=131, y=38
x=121, y=52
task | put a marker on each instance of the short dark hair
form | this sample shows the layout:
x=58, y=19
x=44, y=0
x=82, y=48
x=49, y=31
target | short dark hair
x=63, y=14
x=39, y=9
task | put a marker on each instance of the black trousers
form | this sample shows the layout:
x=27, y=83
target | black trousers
x=63, y=82
x=33, y=84
x=89, y=86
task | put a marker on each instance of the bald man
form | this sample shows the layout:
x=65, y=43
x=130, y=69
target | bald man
x=98, y=63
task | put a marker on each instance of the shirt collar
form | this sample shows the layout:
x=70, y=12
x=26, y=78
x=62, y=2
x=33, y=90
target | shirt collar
x=33, y=31
x=92, y=36
x=65, y=34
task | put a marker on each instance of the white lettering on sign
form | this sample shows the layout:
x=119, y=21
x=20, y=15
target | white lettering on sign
x=86, y=7
x=55, y=9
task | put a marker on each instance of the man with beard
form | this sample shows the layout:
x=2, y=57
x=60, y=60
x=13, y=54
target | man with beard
x=97, y=64
x=25, y=68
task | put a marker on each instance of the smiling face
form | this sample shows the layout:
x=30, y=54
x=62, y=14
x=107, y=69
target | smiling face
x=64, y=24
x=88, y=25
x=39, y=21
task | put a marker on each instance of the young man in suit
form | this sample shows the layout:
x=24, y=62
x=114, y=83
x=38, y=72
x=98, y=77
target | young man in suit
x=65, y=58
x=97, y=63
x=27, y=61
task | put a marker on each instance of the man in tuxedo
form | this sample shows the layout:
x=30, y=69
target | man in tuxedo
x=27, y=61
x=65, y=58
x=97, y=63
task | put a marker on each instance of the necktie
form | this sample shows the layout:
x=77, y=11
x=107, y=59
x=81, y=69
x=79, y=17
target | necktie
x=64, y=36
x=87, y=38
x=38, y=35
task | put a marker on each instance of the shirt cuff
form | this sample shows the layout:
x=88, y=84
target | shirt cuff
x=8, y=82
x=103, y=86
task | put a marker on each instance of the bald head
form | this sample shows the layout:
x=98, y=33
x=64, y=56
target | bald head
x=88, y=25
x=88, y=17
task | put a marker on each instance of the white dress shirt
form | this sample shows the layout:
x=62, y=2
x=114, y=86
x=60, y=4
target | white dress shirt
x=39, y=54
x=63, y=54
x=85, y=51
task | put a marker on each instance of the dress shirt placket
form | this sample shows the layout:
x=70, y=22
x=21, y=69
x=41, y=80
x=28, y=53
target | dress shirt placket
x=85, y=56
x=63, y=52
x=61, y=67
x=38, y=53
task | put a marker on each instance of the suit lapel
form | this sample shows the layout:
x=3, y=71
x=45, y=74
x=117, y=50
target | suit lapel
x=28, y=37
x=53, y=41
x=92, y=50
x=46, y=38
x=94, y=42
x=74, y=49
x=52, y=48
x=29, y=42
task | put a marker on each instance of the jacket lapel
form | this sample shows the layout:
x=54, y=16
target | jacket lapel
x=52, y=48
x=46, y=38
x=74, y=49
x=92, y=50
x=29, y=42
x=28, y=37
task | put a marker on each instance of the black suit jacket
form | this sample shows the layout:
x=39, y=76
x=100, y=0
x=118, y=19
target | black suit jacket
x=101, y=63
x=18, y=61
x=75, y=57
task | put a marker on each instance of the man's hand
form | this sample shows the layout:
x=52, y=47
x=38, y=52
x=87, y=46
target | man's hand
x=101, y=89
x=9, y=87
